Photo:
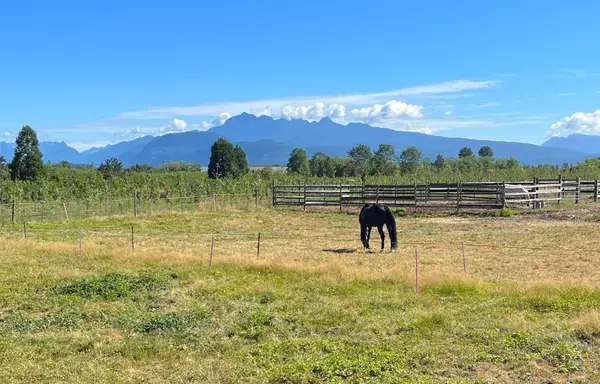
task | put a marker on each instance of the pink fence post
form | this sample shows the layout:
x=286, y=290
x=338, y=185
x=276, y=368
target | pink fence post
x=417, y=270
x=464, y=258
x=212, y=247
x=80, y=244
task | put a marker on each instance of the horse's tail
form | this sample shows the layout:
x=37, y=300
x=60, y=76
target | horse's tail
x=391, y=227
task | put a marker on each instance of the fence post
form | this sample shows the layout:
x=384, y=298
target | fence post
x=274, y=202
x=578, y=193
x=595, y=190
x=305, y=195
x=255, y=197
x=12, y=216
x=458, y=193
x=417, y=270
x=66, y=213
x=80, y=244
x=415, y=192
x=212, y=247
x=25, y=230
x=135, y=204
x=341, y=197
x=258, y=246
x=503, y=195
x=560, y=188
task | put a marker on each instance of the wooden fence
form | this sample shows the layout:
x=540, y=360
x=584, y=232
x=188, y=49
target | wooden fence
x=478, y=195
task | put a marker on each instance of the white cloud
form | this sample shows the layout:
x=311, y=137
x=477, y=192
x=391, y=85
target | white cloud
x=6, y=134
x=579, y=122
x=220, y=120
x=179, y=125
x=448, y=113
x=312, y=112
x=391, y=110
x=235, y=108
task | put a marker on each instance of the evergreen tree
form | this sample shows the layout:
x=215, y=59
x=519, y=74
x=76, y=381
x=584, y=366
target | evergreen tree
x=241, y=161
x=410, y=159
x=465, y=152
x=486, y=151
x=27, y=163
x=439, y=162
x=222, y=160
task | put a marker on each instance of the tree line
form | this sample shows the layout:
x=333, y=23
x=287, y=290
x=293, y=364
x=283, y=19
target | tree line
x=362, y=161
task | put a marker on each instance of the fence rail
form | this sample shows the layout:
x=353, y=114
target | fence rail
x=477, y=195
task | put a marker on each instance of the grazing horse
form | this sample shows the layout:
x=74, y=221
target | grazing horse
x=377, y=215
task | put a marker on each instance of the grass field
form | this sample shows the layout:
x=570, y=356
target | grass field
x=314, y=307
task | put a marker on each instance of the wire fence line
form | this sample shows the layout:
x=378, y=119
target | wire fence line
x=51, y=234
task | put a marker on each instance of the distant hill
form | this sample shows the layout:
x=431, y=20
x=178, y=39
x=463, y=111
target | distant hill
x=588, y=144
x=267, y=141
x=126, y=151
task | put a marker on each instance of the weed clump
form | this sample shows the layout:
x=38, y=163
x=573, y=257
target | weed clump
x=115, y=286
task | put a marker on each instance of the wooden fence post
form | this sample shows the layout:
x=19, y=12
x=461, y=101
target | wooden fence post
x=415, y=191
x=417, y=270
x=560, y=188
x=212, y=247
x=596, y=191
x=578, y=193
x=503, y=196
x=256, y=197
x=25, y=230
x=458, y=194
x=341, y=197
x=81, y=244
x=274, y=202
x=305, y=195
x=258, y=247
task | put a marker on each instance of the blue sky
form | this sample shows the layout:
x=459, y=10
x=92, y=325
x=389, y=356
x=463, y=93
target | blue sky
x=92, y=74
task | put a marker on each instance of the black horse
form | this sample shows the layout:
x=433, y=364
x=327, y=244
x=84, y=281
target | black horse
x=377, y=215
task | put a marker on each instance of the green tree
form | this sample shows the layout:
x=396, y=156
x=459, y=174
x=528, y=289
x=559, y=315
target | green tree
x=222, y=160
x=141, y=168
x=486, y=151
x=27, y=163
x=241, y=161
x=298, y=162
x=360, y=159
x=340, y=166
x=384, y=160
x=439, y=162
x=63, y=164
x=110, y=168
x=410, y=159
x=321, y=165
x=465, y=152
x=3, y=167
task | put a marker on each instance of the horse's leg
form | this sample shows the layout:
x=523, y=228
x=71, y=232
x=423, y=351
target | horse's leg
x=382, y=234
x=368, y=236
x=363, y=236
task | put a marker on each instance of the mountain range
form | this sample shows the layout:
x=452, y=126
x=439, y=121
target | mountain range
x=269, y=141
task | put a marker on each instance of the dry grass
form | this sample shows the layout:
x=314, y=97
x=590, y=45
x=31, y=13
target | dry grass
x=314, y=307
x=521, y=249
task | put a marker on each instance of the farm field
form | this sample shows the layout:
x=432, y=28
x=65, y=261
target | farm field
x=312, y=307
